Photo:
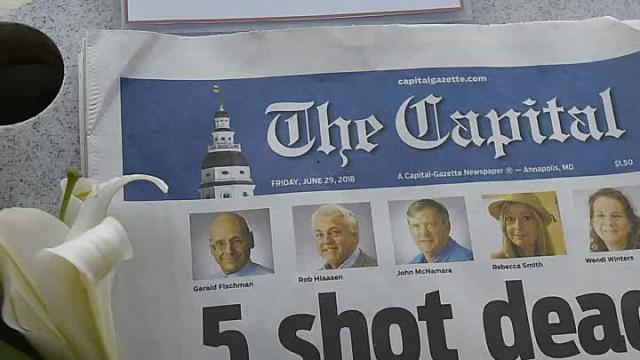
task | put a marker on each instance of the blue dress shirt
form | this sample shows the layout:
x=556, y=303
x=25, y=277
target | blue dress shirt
x=452, y=252
x=250, y=269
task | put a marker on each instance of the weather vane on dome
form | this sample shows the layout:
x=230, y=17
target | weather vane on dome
x=217, y=90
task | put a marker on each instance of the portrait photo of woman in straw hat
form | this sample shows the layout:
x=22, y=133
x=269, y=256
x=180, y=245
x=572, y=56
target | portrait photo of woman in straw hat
x=614, y=225
x=525, y=222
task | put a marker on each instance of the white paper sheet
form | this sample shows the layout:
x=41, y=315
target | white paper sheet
x=158, y=11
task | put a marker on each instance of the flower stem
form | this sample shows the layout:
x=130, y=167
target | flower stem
x=72, y=178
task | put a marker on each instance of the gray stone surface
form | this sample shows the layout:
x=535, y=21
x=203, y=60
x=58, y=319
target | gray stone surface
x=34, y=155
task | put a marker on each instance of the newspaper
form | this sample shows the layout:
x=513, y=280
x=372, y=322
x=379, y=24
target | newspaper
x=378, y=192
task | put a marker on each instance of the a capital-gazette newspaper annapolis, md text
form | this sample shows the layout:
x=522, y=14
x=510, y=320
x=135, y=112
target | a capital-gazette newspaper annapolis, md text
x=381, y=192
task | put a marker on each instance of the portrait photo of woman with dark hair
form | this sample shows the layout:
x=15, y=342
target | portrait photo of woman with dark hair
x=613, y=221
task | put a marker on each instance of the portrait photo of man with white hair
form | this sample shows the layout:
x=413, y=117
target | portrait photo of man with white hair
x=340, y=237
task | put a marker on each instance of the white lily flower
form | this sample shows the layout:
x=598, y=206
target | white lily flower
x=57, y=276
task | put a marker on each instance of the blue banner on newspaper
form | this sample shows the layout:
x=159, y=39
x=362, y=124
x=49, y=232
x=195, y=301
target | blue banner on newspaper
x=377, y=129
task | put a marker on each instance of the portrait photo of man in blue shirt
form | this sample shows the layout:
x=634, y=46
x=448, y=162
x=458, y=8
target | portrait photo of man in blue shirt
x=430, y=226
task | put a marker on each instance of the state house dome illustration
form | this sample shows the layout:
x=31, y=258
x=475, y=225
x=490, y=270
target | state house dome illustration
x=225, y=173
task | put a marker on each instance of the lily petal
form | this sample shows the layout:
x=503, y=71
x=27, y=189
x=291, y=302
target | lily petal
x=57, y=281
x=38, y=329
x=94, y=209
x=81, y=190
x=23, y=232
x=76, y=279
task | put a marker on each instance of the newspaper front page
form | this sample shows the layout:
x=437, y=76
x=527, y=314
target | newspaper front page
x=380, y=192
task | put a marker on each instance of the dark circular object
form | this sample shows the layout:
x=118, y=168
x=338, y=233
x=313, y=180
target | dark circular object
x=31, y=72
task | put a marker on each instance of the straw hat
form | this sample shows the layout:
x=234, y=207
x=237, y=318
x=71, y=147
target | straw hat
x=529, y=199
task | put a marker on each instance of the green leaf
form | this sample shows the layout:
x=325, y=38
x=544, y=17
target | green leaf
x=9, y=353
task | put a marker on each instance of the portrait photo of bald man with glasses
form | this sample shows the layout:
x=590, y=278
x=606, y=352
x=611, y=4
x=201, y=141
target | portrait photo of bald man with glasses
x=232, y=245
